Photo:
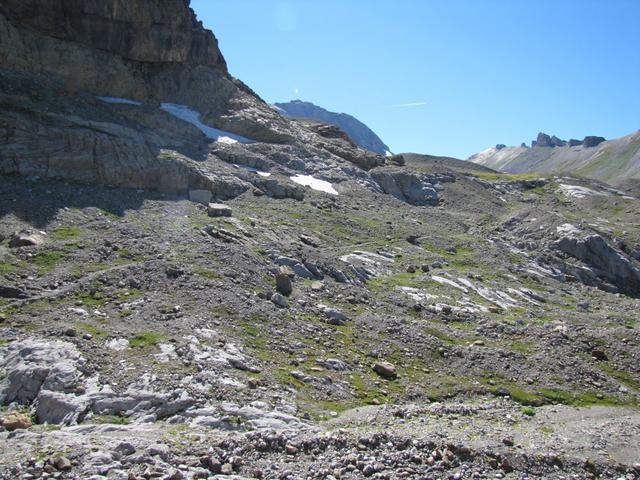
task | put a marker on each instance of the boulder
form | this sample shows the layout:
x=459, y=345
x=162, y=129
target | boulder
x=283, y=283
x=385, y=370
x=299, y=268
x=279, y=300
x=59, y=408
x=25, y=238
x=218, y=210
x=333, y=315
x=16, y=421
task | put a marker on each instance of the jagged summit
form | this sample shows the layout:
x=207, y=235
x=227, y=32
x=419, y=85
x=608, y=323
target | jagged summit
x=357, y=131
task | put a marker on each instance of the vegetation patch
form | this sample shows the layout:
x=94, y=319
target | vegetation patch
x=65, y=233
x=146, y=339
x=47, y=261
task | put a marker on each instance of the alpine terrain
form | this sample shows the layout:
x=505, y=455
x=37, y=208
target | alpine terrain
x=193, y=285
x=614, y=161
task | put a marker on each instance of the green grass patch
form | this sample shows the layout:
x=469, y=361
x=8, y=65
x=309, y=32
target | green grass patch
x=47, y=261
x=92, y=329
x=146, y=339
x=65, y=233
x=528, y=411
x=507, y=177
x=206, y=273
x=110, y=419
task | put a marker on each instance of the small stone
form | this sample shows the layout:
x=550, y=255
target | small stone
x=125, y=448
x=411, y=269
x=508, y=442
x=62, y=463
x=291, y=449
x=226, y=469
x=70, y=332
x=385, y=370
x=316, y=286
x=279, y=300
x=218, y=210
x=413, y=239
x=212, y=464
x=424, y=268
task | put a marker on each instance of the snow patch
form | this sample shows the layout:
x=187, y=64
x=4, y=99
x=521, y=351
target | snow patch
x=189, y=115
x=119, y=100
x=314, y=183
x=387, y=153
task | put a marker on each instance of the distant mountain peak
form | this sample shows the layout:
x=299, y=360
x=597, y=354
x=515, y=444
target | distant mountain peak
x=357, y=131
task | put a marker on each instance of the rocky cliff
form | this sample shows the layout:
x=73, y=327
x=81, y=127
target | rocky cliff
x=357, y=131
x=137, y=94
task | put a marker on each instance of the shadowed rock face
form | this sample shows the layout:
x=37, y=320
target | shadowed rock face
x=607, y=262
x=56, y=57
x=140, y=31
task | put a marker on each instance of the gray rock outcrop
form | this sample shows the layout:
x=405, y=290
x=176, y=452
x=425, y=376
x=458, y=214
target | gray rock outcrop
x=606, y=262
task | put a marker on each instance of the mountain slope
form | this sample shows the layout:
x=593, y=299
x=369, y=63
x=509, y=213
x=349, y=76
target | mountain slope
x=611, y=161
x=341, y=315
x=359, y=133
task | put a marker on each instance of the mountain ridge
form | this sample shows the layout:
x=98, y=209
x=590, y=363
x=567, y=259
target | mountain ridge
x=357, y=131
x=612, y=161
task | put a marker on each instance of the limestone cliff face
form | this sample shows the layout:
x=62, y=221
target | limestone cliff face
x=59, y=58
x=142, y=49
x=141, y=31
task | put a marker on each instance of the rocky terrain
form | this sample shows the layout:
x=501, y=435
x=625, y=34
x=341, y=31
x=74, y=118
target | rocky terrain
x=193, y=286
x=357, y=131
x=613, y=161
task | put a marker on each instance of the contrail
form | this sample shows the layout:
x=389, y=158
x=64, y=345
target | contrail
x=402, y=105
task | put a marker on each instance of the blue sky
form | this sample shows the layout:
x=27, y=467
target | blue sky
x=476, y=72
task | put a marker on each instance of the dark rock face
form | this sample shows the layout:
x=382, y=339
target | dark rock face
x=592, y=141
x=607, y=262
x=544, y=140
x=357, y=131
x=414, y=188
x=500, y=146
x=132, y=30
x=574, y=143
x=57, y=56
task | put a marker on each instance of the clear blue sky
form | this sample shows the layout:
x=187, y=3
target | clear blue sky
x=480, y=72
